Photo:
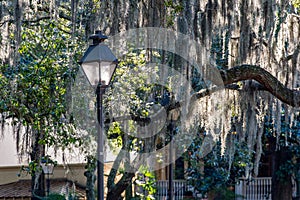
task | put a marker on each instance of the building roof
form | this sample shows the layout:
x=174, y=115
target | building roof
x=22, y=188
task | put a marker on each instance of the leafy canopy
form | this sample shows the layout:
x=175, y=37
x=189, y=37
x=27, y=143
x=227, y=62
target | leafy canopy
x=34, y=92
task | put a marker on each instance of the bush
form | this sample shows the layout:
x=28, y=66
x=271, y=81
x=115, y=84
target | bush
x=55, y=196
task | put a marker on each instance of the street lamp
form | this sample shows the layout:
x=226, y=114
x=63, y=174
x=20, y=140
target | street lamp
x=99, y=64
x=48, y=168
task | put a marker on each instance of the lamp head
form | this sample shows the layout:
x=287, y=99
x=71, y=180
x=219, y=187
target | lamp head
x=98, y=62
x=98, y=37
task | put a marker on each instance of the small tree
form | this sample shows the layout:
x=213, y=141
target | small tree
x=217, y=172
x=38, y=88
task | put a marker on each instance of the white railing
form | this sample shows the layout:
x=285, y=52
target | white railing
x=179, y=187
x=256, y=189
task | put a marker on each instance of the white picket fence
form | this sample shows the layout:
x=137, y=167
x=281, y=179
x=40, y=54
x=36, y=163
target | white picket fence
x=256, y=189
x=179, y=187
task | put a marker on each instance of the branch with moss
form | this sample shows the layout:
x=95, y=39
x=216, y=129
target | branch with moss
x=265, y=78
x=265, y=82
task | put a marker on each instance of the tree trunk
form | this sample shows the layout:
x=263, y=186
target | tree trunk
x=90, y=178
x=125, y=183
x=281, y=180
x=37, y=178
x=118, y=189
x=38, y=191
x=128, y=192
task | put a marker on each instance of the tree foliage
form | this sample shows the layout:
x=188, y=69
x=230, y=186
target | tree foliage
x=35, y=90
x=296, y=4
x=146, y=181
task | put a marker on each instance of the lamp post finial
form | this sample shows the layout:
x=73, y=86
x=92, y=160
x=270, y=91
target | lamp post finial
x=98, y=37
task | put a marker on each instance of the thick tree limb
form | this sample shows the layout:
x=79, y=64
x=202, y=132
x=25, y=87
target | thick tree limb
x=266, y=82
x=266, y=79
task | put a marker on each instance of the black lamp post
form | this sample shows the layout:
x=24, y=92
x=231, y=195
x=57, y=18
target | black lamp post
x=99, y=64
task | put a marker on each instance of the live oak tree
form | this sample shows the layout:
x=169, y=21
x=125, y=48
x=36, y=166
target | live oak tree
x=262, y=34
x=256, y=44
